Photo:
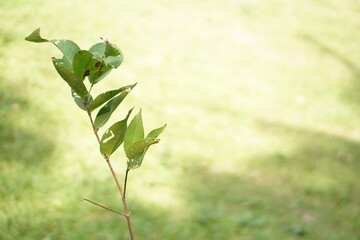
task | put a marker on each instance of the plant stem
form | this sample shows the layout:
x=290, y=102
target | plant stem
x=99, y=205
x=122, y=194
x=125, y=183
x=92, y=124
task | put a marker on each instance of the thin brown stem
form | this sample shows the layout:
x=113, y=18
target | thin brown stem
x=122, y=194
x=130, y=228
x=114, y=175
x=99, y=205
x=92, y=124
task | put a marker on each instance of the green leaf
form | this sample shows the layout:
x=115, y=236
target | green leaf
x=113, y=54
x=115, y=61
x=98, y=49
x=80, y=64
x=68, y=48
x=111, y=49
x=76, y=84
x=101, y=74
x=102, y=98
x=79, y=101
x=35, y=37
x=134, y=132
x=114, y=136
x=86, y=64
x=105, y=112
x=137, y=149
x=156, y=132
x=153, y=134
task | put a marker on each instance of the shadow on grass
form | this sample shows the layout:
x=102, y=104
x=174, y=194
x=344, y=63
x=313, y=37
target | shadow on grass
x=20, y=145
x=352, y=90
x=322, y=170
x=307, y=191
x=24, y=158
x=313, y=152
x=23, y=153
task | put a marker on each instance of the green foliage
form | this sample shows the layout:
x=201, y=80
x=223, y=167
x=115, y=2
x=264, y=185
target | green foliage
x=102, y=98
x=114, y=136
x=74, y=66
x=85, y=64
x=75, y=83
x=79, y=101
x=110, y=56
x=68, y=48
x=136, y=150
x=135, y=131
x=35, y=37
x=135, y=145
x=136, y=160
x=105, y=112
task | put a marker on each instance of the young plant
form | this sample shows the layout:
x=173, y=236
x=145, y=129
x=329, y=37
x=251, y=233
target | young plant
x=95, y=64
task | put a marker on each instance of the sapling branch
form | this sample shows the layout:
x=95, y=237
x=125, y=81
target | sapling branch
x=95, y=64
x=114, y=175
x=109, y=209
x=92, y=123
x=122, y=194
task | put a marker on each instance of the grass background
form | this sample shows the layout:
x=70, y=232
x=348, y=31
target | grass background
x=261, y=99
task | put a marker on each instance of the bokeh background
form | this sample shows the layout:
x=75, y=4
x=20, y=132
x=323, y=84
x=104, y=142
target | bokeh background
x=261, y=98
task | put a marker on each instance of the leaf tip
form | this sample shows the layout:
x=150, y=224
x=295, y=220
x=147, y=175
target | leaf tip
x=129, y=112
x=35, y=37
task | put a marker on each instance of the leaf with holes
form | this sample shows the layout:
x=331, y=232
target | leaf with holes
x=114, y=136
x=79, y=102
x=153, y=134
x=104, y=70
x=68, y=48
x=110, y=54
x=76, y=84
x=86, y=64
x=137, y=149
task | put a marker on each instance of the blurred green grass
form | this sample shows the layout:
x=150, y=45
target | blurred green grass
x=262, y=104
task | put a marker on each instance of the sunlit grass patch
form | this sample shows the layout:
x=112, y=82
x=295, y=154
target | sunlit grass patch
x=261, y=100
